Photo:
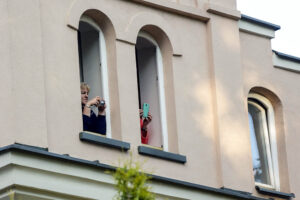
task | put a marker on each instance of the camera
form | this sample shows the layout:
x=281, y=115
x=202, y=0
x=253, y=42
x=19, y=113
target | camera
x=102, y=103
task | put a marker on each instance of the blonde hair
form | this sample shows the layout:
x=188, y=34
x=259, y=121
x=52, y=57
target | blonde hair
x=84, y=85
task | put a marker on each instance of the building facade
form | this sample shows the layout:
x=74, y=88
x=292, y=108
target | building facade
x=224, y=104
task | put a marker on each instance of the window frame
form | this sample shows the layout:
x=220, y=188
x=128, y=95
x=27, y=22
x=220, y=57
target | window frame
x=270, y=138
x=161, y=88
x=104, y=70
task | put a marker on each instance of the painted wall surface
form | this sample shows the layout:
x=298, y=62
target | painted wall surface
x=210, y=67
x=42, y=179
x=259, y=72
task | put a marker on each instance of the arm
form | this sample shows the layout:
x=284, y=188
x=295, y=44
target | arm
x=87, y=107
x=144, y=122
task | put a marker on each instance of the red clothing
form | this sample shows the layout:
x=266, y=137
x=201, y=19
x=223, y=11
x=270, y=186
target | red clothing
x=144, y=134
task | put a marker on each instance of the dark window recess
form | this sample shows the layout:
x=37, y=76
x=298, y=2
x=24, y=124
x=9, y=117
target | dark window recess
x=144, y=150
x=80, y=56
x=274, y=193
x=104, y=141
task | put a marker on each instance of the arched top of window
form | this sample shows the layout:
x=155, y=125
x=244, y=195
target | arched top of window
x=87, y=24
x=263, y=141
x=158, y=37
x=146, y=36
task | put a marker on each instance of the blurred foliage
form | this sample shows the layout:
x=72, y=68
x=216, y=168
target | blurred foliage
x=131, y=182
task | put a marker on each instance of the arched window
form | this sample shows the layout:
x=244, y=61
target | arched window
x=151, y=87
x=93, y=63
x=263, y=141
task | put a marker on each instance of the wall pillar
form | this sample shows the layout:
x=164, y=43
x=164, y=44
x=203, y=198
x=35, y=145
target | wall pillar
x=231, y=123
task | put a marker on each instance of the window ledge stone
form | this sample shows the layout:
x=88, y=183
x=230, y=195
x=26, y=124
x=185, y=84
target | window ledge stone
x=157, y=153
x=274, y=193
x=104, y=141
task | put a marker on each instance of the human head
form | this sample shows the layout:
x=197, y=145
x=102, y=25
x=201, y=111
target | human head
x=84, y=89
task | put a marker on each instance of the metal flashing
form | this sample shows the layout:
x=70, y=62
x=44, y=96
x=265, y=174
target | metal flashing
x=44, y=152
x=287, y=57
x=260, y=22
x=274, y=193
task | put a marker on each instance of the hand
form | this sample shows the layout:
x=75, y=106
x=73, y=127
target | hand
x=94, y=102
x=141, y=113
x=101, y=107
x=147, y=120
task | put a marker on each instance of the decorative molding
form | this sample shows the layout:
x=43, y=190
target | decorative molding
x=187, y=11
x=222, y=11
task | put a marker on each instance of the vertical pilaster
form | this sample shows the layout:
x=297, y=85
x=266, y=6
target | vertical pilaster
x=26, y=65
x=231, y=125
x=6, y=114
x=128, y=91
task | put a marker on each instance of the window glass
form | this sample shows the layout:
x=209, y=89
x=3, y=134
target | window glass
x=257, y=122
x=90, y=62
x=263, y=141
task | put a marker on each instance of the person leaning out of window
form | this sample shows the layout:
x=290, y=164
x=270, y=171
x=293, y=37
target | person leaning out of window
x=144, y=122
x=91, y=121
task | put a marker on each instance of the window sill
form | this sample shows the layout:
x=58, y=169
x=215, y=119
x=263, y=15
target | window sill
x=274, y=193
x=157, y=153
x=104, y=141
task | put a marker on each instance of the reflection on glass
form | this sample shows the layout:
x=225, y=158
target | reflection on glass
x=258, y=131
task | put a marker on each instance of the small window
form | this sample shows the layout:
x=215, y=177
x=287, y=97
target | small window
x=93, y=63
x=151, y=88
x=263, y=141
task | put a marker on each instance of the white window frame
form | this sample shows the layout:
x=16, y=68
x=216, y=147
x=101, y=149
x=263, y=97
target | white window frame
x=162, y=98
x=270, y=140
x=104, y=71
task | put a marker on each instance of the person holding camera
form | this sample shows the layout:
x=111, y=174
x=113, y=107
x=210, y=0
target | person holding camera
x=91, y=122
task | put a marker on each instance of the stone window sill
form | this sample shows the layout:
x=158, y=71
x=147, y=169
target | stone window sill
x=157, y=153
x=104, y=141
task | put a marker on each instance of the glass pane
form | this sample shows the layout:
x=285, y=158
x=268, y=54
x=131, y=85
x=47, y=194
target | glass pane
x=258, y=129
x=90, y=58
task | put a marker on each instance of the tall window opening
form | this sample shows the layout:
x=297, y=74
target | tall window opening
x=150, y=78
x=263, y=141
x=93, y=63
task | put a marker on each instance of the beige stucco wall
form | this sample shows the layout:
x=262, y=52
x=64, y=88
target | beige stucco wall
x=212, y=67
x=259, y=72
x=31, y=177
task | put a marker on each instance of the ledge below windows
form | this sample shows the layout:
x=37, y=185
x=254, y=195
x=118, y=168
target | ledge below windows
x=157, y=153
x=23, y=158
x=104, y=141
x=274, y=193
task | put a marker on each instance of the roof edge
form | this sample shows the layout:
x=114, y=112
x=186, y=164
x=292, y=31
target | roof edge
x=287, y=57
x=260, y=22
x=45, y=152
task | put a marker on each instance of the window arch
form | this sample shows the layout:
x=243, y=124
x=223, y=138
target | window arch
x=93, y=62
x=263, y=141
x=150, y=75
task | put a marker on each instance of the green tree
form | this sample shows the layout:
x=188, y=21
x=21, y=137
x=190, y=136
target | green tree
x=131, y=182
